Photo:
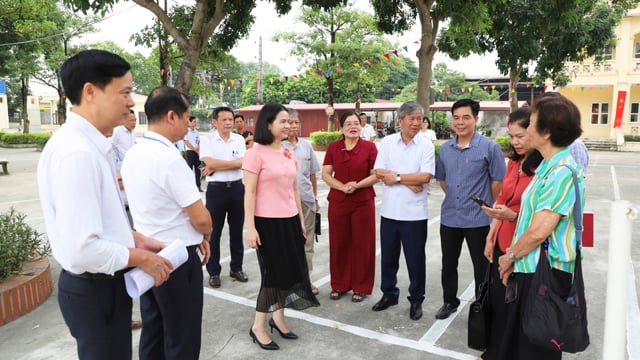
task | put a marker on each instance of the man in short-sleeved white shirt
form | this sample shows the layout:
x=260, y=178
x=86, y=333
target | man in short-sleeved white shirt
x=366, y=132
x=222, y=153
x=405, y=164
x=124, y=138
x=165, y=202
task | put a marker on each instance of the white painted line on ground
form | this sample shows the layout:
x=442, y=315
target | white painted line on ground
x=633, y=318
x=614, y=180
x=19, y=201
x=440, y=326
x=355, y=330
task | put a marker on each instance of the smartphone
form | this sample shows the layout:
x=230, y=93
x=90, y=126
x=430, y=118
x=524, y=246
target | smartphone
x=479, y=201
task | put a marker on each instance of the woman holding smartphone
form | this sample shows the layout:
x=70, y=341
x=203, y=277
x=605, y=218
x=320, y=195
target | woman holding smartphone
x=523, y=161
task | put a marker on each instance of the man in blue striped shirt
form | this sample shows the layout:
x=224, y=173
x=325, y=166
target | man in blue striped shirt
x=469, y=164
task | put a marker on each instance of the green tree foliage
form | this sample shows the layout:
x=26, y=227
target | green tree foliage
x=214, y=25
x=342, y=44
x=399, y=15
x=398, y=79
x=539, y=34
x=143, y=69
x=22, y=25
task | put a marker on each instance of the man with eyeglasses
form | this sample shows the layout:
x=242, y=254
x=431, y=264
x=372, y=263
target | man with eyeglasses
x=192, y=144
x=467, y=165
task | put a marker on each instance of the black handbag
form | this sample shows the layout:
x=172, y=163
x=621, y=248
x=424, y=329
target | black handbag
x=550, y=320
x=318, y=229
x=479, y=316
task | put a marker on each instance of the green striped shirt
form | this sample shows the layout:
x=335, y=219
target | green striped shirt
x=551, y=189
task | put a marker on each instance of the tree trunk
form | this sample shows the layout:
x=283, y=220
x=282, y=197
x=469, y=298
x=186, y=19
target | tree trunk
x=330, y=125
x=62, y=103
x=187, y=69
x=429, y=27
x=25, y=113
x=514, y=75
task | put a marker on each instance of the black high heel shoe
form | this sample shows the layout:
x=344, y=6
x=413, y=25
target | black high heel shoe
x=270, y=346
x=290, y=335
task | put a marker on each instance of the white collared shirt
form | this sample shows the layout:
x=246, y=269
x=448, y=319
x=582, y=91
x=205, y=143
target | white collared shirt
x=193, y=137
x=398, y=201
x=122, y=140
x=86, y=223
x=159, y=186
x=213, y=146
x=367, y=132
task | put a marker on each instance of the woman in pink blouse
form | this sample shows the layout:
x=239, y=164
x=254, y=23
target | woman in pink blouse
x=275, y=226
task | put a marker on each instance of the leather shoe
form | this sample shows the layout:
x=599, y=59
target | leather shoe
x=214, y=281
x=415, y=313
x=446, y=310
x=239, y=275
x=384, y=303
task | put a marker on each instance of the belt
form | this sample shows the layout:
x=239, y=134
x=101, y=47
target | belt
x=225, y=183
x=98, y=276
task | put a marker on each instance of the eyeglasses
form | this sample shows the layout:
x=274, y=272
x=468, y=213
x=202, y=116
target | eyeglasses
x=349, y=124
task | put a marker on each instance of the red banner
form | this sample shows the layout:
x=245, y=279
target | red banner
x=622, y=97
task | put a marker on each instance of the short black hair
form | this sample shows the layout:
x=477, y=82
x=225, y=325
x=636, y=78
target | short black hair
x=238, y=116
x=163, y=99
x=220, y=109
x=559, y=117
x=474, y=105
x=521, y=117
x=98, y=67
x=266, y=116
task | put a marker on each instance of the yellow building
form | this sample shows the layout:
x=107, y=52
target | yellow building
x=610, y=88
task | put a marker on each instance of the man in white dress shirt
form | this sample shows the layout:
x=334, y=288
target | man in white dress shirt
x=86, y=224
x=367, y=132
x=405, y=164
x=166, y=204
x=192, y=144
x=123, y=138
x=222, y=153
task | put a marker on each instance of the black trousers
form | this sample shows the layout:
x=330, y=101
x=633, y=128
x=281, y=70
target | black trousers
x=172, y=314
x=98, y=314
x=451, y=243
x=226, y=203
x=193, y=160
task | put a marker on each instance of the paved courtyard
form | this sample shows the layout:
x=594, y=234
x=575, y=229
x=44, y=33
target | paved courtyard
x=340, y=329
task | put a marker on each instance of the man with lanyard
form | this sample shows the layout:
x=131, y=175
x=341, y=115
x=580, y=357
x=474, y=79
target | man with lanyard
x=405, y=164
x=222, y=153
x=86, y=224
x=192, y=144
x=165, y=204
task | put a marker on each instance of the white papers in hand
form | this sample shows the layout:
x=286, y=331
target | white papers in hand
x=138, y=281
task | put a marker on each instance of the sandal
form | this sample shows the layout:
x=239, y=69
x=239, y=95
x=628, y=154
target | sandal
x=336, y=294
x=358, y=297
x=314, y=290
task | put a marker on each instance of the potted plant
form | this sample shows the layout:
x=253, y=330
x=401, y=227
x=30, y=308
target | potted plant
x=25, y=274
x=321, y=139
x=505, y=144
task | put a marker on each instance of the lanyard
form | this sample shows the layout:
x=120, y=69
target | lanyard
x=154, y=139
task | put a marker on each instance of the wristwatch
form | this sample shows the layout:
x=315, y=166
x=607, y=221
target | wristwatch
x=397, y=178
x=511, y=255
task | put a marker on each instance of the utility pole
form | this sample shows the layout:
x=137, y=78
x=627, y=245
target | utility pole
x=259, y=98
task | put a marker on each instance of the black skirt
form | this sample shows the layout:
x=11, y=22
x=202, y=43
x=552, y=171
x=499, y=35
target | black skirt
x=506, y=339
x=283, y=266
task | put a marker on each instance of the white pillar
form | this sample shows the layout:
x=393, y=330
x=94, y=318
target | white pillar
x=615, y=323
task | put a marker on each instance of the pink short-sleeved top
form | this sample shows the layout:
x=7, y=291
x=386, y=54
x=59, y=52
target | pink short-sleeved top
x=276, y=172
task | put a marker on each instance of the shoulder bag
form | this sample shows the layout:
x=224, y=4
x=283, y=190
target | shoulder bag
x=479, y=315
x=550, y=320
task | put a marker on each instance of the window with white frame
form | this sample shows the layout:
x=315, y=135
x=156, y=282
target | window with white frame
x=635, y=112
x=599, y=113
x=607, y=54
x=637, y=52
